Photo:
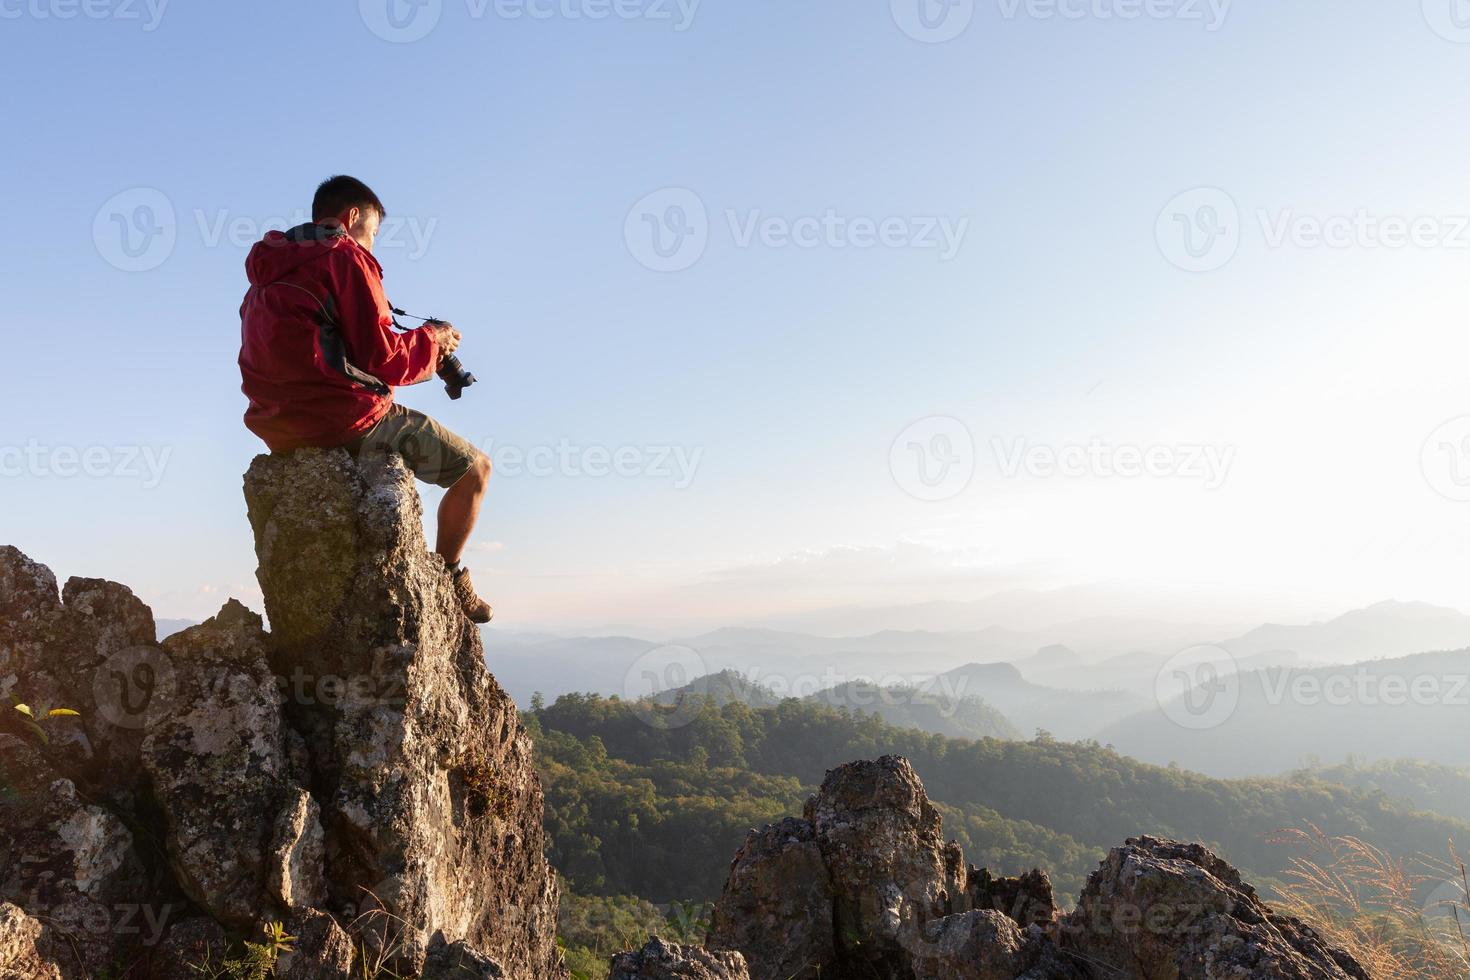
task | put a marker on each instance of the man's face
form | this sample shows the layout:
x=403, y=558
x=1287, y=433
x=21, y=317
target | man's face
x=362, y=226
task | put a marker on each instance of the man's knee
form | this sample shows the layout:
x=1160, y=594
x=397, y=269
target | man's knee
x=480, y=469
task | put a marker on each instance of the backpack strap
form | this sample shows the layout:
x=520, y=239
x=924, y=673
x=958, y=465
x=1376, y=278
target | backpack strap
x=329, y=341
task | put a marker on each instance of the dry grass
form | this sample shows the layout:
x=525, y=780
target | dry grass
x=1402, y=919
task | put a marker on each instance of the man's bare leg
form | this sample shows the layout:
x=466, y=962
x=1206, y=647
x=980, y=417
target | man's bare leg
x=460, y=508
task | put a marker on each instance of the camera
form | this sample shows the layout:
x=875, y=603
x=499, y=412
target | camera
x=456, y=379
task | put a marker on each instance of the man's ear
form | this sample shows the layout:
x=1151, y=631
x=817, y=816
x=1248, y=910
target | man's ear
x=350, y=219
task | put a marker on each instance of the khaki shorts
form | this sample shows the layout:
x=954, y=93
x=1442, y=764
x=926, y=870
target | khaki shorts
x=433, y=453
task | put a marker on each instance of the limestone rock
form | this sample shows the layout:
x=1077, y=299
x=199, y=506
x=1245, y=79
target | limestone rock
x=777, y=907
x=70, y=865
x=356, y=775
x=1184, y=912
x=867, y=868
x=981, y=944
x=21, y=953
x=322, y=950
x=219, y=767
x=1028, y=899
x=658, y=960
x=90, y=649
x=297, y=854
x=431, y=808
x=880, y=840
x=458, y=961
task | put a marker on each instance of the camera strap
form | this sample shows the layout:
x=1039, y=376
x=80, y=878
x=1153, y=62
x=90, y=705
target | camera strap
x=398, y=313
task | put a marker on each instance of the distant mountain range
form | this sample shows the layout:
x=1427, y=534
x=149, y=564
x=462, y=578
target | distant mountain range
x=1387, y=629
x=902, y=706
x=1264, y=721
x=1098, y=654
x=1068, y=714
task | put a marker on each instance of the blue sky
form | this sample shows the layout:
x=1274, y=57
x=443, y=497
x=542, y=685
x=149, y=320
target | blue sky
x=521, y=156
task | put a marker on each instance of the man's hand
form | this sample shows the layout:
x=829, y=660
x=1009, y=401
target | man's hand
x=446, y=335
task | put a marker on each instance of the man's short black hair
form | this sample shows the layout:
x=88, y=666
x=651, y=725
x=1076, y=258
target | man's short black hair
x=337, y=194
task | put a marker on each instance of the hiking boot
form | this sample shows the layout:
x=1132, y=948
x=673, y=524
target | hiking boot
x=477, y=609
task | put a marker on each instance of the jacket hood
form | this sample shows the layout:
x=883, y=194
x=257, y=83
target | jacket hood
x=280, y=252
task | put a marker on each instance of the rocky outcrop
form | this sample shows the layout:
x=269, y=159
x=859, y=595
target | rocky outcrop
x=778, y=904
x=71, y=870
x=429, y=801
x=1183, y=908
x=354, y=775
x=664, y=961
x=863, y=886
x=219, y=760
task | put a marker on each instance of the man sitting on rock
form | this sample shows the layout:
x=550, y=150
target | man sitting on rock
x=320, y=358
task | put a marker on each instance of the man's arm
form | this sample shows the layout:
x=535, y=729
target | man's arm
x=367, y=328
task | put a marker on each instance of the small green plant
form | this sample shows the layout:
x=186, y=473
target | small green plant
x=34, y=723
x=254, y=961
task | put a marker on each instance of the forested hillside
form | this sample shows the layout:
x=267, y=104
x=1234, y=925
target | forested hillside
x=638, y=808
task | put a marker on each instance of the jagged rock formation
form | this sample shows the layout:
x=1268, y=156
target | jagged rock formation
x=864, y=886
x=1179, y=905
x=663, y=961
x=356, y=774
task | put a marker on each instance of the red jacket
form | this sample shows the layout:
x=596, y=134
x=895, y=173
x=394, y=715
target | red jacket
x=307, y=385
